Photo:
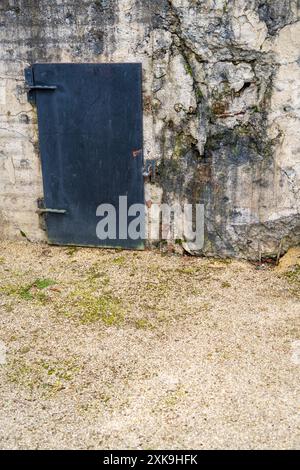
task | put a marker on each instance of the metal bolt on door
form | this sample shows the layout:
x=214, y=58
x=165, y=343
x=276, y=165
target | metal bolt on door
x=90, y=137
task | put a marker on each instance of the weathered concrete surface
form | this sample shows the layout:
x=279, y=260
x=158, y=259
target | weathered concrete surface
x=221, y=99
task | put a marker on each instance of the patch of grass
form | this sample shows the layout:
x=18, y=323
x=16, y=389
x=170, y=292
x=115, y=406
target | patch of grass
x=89, y=307
x=93, y=274
x=13, y=289
x=187, y=270
x=199, y=94
x=71, y=250
x=183, y=143
x=94, y=406
x=42, y=297
x=29, y=291
x=24, y=292
x=223, y=260
x=175, y=396
x=159, y=288
x=43, y=283
x=106, y=308
x=225, y=284
x=143, y=324
x=119, y=260
x=64, y=370
x=205, y=307
x=293, y=275
x=8, y=308
x=293, y=278
x=188, y=69
x=48, y=376
x=255, y=109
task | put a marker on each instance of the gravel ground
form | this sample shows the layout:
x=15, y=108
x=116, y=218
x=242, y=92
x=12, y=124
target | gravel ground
x=139, y=350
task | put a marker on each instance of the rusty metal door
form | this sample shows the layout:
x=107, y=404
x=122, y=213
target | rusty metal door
x=90, y=137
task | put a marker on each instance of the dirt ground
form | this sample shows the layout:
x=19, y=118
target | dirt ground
x=139, y=350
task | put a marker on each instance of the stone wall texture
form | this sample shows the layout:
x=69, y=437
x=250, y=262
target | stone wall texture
x=221, y=107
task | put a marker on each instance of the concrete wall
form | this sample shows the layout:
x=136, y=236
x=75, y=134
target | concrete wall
x=221, y=107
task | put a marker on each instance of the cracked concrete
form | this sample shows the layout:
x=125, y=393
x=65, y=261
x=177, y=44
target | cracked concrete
x=221, y=107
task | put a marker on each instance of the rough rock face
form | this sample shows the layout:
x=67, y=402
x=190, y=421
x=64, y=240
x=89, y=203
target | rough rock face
x=221, y=107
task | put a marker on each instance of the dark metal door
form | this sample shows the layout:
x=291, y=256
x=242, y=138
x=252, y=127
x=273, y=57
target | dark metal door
x=90, y=135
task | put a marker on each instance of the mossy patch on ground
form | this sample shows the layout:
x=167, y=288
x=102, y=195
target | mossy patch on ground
x=48, y=376
x=89, y=306
x=293, y=277
x=30, y=291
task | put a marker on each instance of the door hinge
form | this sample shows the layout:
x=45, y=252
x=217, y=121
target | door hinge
x=31, y=87
x=42, y=211
x=51, y=211
x=46, y=210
